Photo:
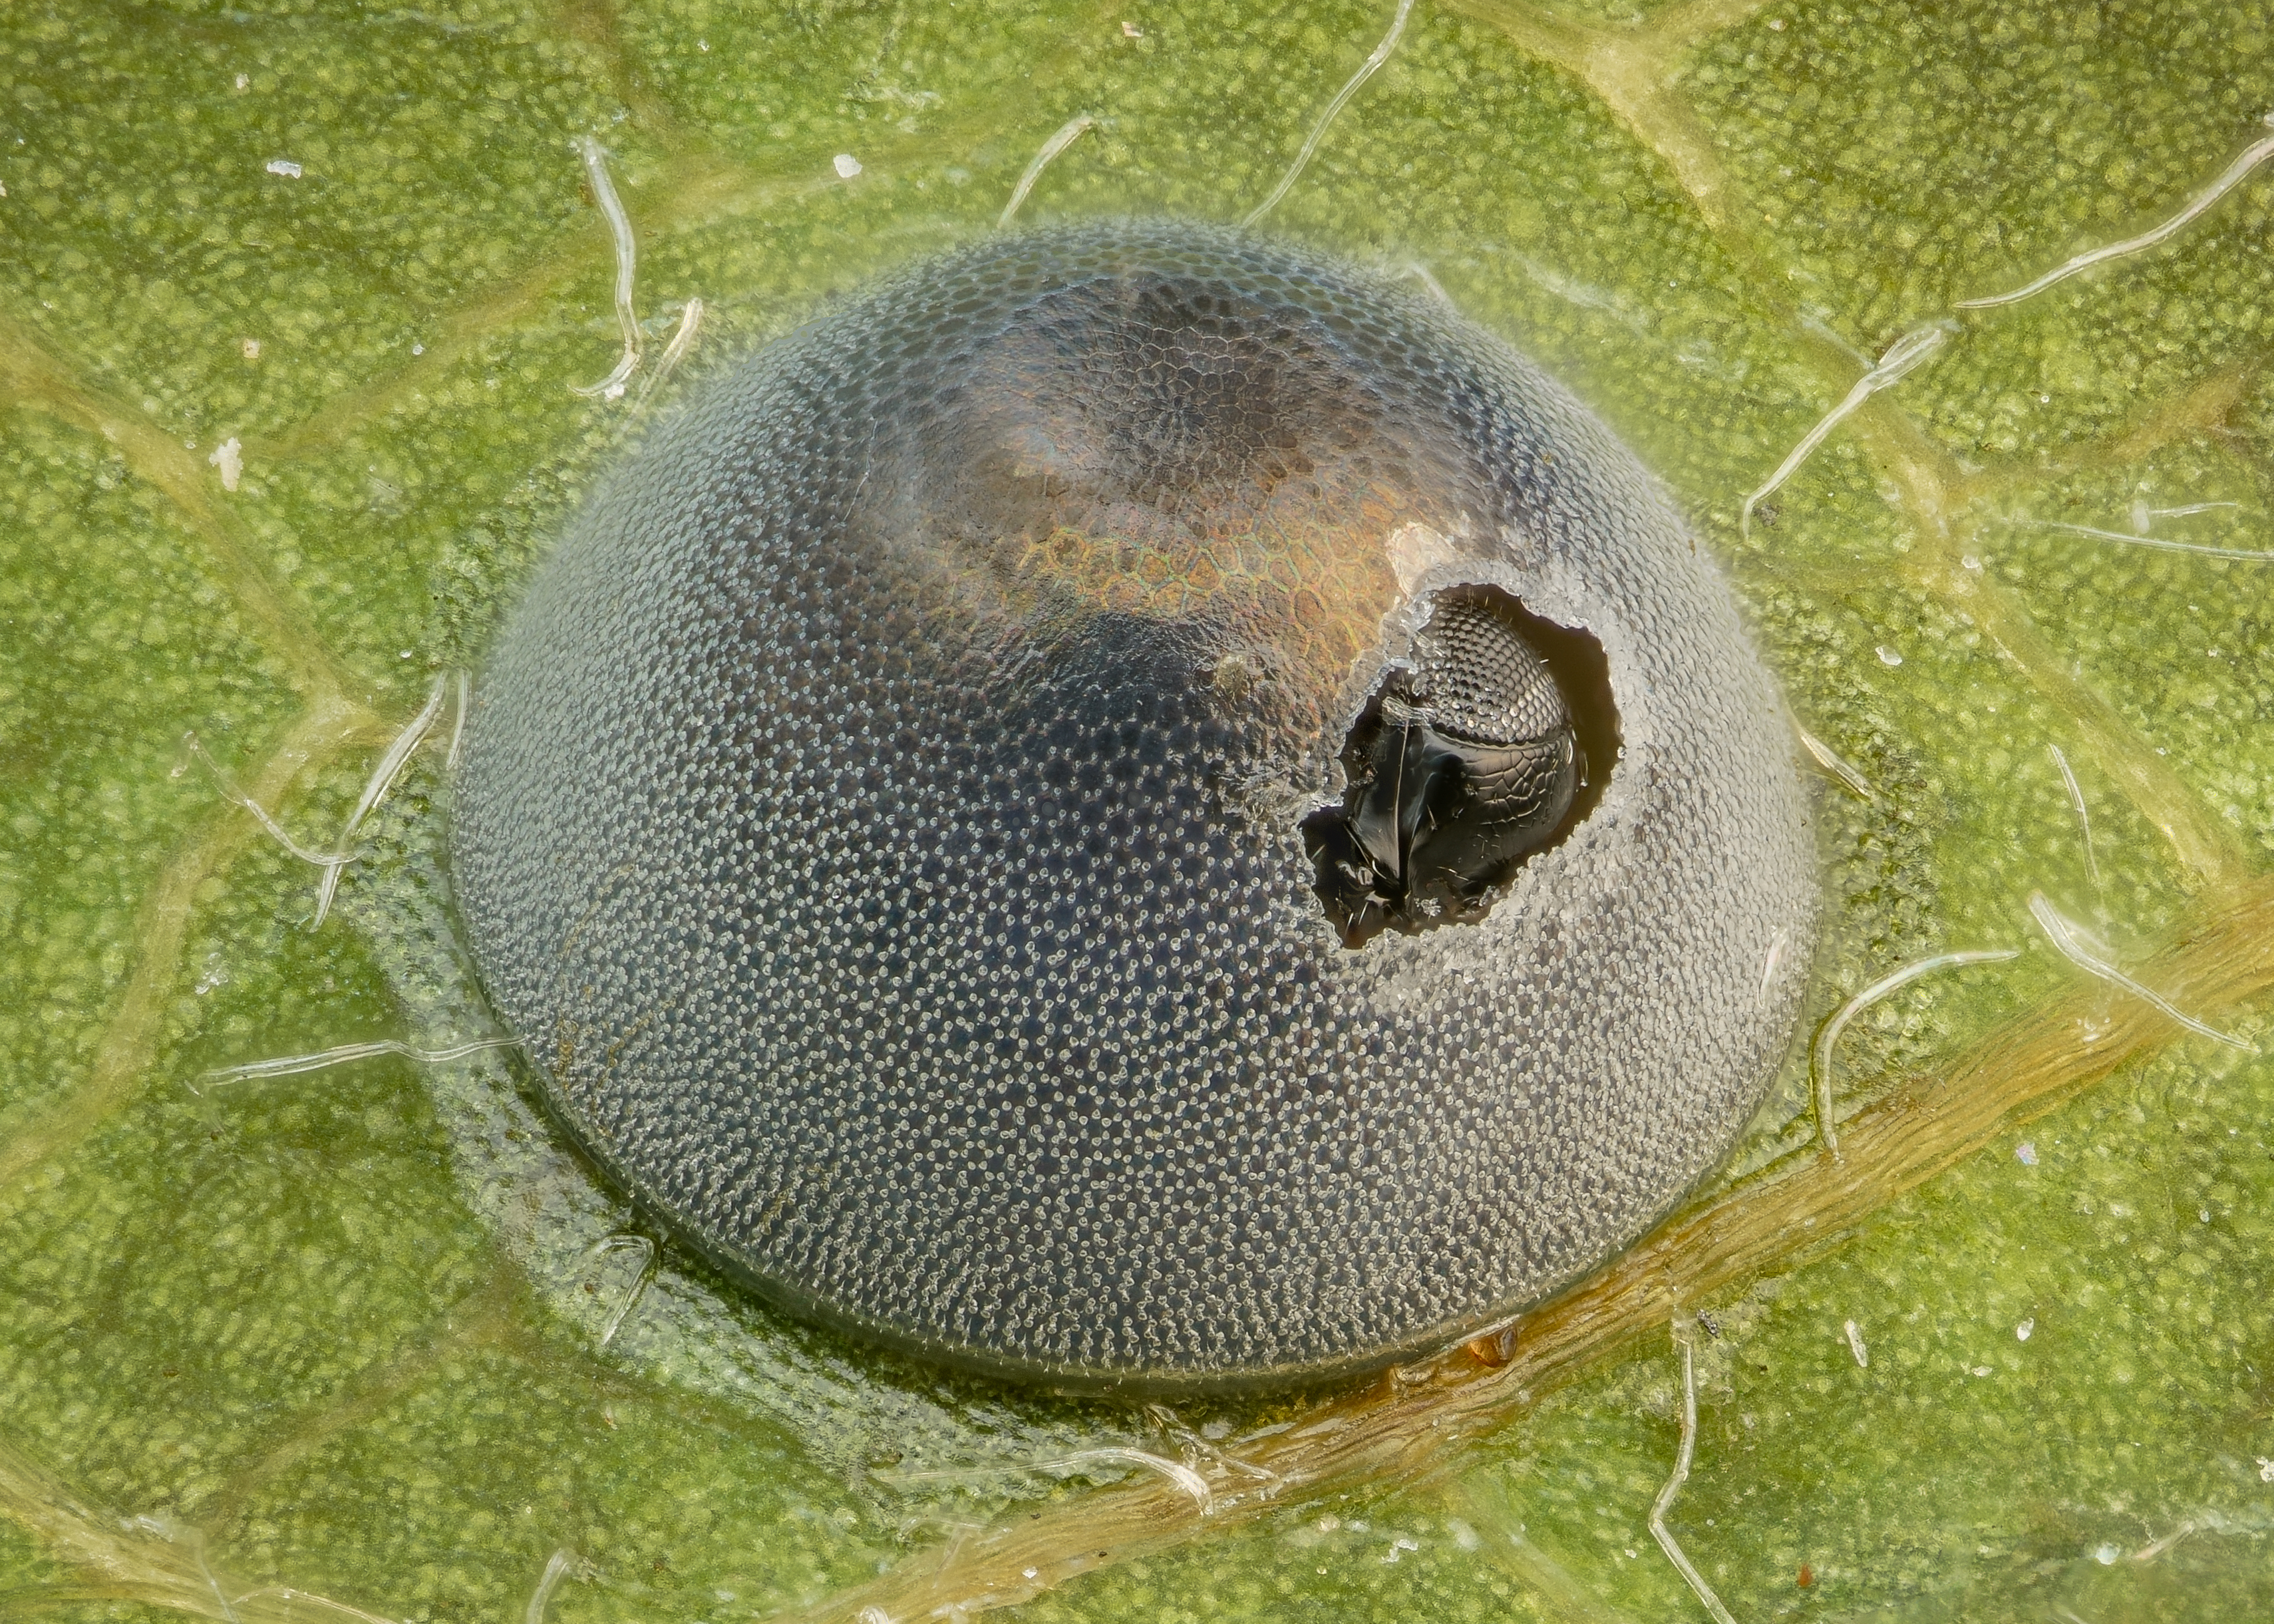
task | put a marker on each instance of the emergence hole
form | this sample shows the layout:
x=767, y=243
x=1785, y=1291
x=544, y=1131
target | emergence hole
x=1489, y=742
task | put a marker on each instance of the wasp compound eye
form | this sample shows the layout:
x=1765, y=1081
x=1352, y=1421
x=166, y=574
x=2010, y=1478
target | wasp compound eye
x=1137, y=807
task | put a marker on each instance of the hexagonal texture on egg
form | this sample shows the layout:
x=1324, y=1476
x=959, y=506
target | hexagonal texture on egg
x=884, y=822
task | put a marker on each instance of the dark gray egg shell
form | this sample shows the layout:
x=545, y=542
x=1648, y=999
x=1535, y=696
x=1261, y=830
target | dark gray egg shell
x=880, y=824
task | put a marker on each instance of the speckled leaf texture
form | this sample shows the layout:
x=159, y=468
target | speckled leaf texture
x=293, y=300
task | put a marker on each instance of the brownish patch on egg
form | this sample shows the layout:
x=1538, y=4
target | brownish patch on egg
x=1202, y=465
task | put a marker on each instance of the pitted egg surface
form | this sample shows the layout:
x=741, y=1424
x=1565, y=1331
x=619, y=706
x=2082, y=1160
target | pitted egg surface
x=1137, y=805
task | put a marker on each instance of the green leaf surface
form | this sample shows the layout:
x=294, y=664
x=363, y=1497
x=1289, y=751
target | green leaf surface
x=277, y=1346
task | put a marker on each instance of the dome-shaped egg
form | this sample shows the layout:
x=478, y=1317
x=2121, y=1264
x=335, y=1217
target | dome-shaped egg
x=1138, y=805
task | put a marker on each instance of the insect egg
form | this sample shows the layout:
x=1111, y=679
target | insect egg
x=1137, y=806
